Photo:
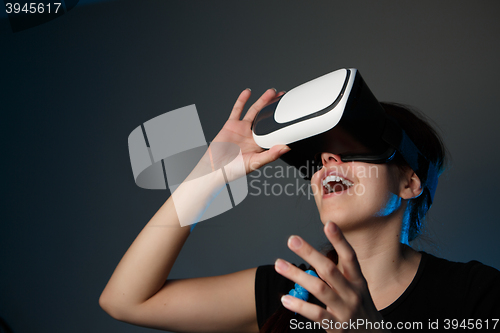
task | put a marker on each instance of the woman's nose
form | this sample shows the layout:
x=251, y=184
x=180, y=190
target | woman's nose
x=330, y=159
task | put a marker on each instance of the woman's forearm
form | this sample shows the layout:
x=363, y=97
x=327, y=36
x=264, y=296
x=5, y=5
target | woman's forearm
x=147, y=263
x=145, y=267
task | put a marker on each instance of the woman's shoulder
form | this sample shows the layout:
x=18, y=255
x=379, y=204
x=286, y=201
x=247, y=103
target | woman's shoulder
x=464, y=288
x=443, y=269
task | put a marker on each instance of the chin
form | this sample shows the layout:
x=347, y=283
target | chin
x=346, y=221
x=339, y=218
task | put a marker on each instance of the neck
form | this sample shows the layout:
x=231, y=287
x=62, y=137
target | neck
x=387, y=264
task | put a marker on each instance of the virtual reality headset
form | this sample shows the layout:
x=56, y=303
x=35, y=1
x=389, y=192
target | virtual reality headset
x=337, y=113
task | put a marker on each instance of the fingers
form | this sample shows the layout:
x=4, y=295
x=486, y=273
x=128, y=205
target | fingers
x=312, y=284
x=308, y=310
x=240, y=104
x=238, y=107
x=264, y=100
x=281, y=93
x=345, y=293
x=346, y=254
x=325, y=268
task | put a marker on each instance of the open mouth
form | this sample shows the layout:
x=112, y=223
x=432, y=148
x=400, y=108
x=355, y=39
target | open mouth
x=334, y=183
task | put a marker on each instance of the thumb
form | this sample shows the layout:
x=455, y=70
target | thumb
x=272, y=154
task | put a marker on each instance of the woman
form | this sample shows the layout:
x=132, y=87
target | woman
x=372, y=276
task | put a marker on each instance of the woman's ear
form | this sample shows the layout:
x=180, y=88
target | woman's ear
x=411, y=187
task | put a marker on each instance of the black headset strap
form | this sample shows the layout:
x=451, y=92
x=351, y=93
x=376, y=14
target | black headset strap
x=425, y=169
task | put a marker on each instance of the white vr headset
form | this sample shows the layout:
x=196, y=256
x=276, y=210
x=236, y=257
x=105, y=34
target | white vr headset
x=338, y=113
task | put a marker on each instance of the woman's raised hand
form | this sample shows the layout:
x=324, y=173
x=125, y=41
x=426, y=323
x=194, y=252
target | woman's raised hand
x=344, y=291
x=239, y=131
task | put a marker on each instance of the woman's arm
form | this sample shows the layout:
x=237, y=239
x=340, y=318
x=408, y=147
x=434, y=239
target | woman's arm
x=138, y=291
x=138, y=294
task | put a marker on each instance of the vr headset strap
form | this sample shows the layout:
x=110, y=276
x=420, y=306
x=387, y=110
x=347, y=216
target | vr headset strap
x=426, y=170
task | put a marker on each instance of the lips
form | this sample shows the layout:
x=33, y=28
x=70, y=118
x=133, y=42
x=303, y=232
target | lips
x=335, y=183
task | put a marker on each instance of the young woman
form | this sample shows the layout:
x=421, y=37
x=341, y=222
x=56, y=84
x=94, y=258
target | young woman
x=370, y=281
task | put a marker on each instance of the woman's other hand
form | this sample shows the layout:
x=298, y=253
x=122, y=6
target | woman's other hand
x=342, y=287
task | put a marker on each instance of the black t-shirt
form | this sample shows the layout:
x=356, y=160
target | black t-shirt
x=454, y=296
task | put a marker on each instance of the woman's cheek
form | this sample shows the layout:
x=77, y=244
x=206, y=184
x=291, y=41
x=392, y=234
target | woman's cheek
x=391, y=204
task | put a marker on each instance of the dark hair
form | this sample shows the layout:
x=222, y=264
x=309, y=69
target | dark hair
x=427, y=140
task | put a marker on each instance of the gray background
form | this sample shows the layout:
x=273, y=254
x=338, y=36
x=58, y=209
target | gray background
x=74, y=88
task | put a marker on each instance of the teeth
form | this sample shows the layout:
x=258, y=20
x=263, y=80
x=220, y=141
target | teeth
x=333, y=178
